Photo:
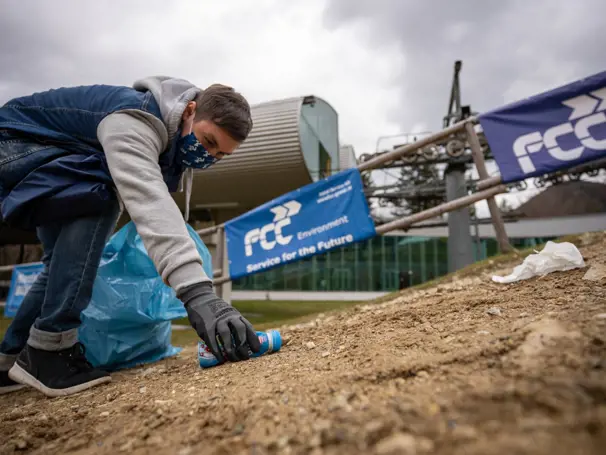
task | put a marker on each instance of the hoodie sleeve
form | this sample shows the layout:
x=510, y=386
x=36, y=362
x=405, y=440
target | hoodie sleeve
x=133, y=142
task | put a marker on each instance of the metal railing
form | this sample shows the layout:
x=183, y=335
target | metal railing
x=488, y=187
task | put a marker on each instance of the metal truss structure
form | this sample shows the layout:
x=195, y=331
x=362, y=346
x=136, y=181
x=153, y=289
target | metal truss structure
x=454, y=150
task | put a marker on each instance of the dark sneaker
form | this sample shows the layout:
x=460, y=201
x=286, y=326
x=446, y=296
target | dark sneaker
x=57, y=373
x=7, y=385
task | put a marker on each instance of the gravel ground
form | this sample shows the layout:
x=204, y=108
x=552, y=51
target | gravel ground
x=467, y=366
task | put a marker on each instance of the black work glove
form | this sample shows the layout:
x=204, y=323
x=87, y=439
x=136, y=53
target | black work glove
x=213, y=318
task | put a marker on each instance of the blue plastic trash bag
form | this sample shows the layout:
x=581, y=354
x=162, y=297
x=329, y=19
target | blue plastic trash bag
x=128, y=320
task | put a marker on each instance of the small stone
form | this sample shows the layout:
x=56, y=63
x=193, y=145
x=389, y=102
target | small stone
x=325, y=354
x=433, y=409
x=422, y=374
x=238, y=429
x=310, y=345
x=127, y=446
x=600, y=316
x=523, y=314
x=494, y=311
x=341, y=401
x=315, y=441
x=147, y=371
x=483, y=332
x=21, y=444
x=322, y=425
x=128, y=407
x=112, y=396
x=425, y=445
x=104, y=414
x=397, y=444
x=156, y=440
x=596, y=272
x=76, y=443
x=464, y=433
x=283, y=442
x=185, y=451
x=376, y=430
x=143, y=389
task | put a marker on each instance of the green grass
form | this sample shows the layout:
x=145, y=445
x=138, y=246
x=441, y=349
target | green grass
x=267, y=314
x=263, y=314
x=492, y=262
x=4, y=323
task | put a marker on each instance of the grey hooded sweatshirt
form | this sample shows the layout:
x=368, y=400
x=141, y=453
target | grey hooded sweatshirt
x=133, y=141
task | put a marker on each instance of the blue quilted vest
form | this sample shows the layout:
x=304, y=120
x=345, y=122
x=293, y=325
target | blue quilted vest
x=69, y=178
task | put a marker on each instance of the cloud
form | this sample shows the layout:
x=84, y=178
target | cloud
x=385, y=66
x=510, y=50
x=266, y=49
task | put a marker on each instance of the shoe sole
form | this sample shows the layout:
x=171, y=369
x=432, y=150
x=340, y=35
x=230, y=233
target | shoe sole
x=11, y=388
x=18, y=374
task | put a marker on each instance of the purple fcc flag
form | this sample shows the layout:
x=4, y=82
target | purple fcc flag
x=550, y=131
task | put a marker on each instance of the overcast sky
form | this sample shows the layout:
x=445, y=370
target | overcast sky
x=386, y=66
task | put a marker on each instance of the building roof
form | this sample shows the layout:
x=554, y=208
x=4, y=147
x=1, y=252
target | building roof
x=565, y=199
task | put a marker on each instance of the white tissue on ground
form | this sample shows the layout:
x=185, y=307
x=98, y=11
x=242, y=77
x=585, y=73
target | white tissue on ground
x=555, y=257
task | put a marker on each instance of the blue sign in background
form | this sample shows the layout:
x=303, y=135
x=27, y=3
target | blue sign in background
x=554, y=130
x=22, y=279
x=319, y=217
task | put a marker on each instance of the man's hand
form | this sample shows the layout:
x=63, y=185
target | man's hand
x=212, y=317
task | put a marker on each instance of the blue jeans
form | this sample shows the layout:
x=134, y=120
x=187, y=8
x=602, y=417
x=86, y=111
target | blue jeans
x=72, y=253
x=50, y=313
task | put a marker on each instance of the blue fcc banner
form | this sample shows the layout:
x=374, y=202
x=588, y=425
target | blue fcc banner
x=311, y=220
x=22, y=279
x=550, y=131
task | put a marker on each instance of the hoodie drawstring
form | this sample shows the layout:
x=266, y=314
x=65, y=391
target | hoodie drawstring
x=189, y=183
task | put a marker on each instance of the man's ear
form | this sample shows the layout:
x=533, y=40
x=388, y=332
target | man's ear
x=190, y=110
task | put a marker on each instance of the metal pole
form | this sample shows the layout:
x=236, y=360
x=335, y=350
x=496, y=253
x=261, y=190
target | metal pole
x=356, y=277
x=222, y=280
x=409, y=148
x=477, y=235
x=495, y=213
x=460, y=243
x=9, y=268
x=408, y=221
x=209, y=230
x=220, y=253
x=489, y=182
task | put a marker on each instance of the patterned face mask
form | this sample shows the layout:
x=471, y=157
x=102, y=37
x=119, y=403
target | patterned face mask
x=191, y=153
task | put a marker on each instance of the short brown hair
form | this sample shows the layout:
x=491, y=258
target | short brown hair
x=226, y=108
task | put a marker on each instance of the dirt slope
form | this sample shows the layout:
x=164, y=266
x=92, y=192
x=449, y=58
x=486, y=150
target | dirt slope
x=428, y=372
